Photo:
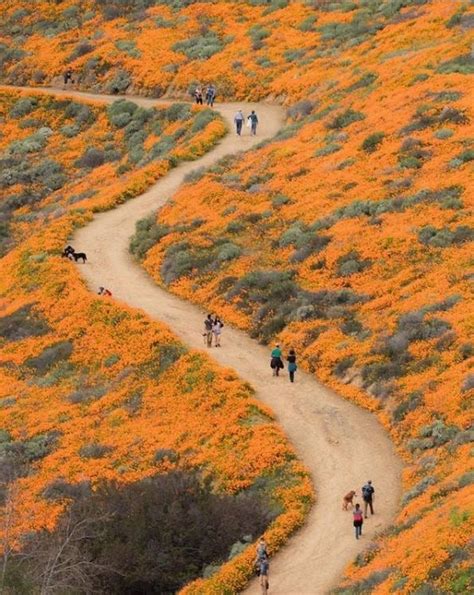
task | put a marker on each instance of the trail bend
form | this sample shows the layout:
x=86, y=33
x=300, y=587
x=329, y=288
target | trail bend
x=340, y=443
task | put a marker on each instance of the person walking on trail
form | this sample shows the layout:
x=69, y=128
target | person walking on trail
x=208, y=324
x=368, y=497
x=358, y=520
x=210, y=95
x=198, y=95
x=292, y=367
x=253, y=121
x=276, y=363
x=68, y=77
x=217, y=331
x=239, y=121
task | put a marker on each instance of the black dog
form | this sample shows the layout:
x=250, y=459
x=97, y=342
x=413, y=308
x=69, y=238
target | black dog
x=79, y=256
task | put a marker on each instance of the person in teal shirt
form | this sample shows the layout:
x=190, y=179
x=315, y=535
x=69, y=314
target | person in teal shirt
x=276, y=363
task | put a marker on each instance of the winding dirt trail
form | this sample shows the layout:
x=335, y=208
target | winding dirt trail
x=341, y=444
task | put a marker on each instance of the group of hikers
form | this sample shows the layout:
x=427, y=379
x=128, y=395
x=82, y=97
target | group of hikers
x=262, y=564
x=213, y=326
x=209, y=94
x=276, y=362
x=358, y=515
x=252, y=122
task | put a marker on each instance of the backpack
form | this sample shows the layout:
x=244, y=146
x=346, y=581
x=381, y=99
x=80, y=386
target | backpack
x=367, y=492
x=262, y=552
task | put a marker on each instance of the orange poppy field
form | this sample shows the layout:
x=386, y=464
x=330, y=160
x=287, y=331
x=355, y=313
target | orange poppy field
x=348, y=236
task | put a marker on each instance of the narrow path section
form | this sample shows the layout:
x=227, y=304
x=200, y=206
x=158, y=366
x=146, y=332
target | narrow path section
x=341, y=444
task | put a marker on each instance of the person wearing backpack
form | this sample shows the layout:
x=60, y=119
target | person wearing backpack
x=358, y=520
x=368, y=497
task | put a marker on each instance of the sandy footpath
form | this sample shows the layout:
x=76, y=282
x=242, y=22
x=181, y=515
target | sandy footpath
x=340, y=443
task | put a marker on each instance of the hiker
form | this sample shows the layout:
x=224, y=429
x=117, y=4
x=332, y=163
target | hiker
x=292, y=367
x=262, y=570
x=217, y=331
x=210, y=95
x=67, y=251
x=358, y=520
x=262, y=552
x=208, y=323
x=198, y=95
x=239, y=120
x=68, y=77
x=253, y=121
x=104, y=291
x=368, y=497
x=276, y=363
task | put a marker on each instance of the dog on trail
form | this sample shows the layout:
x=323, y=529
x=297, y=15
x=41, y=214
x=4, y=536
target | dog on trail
x=78, y=256
x=348, y=500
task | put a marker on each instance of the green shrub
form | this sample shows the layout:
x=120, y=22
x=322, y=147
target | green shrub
x=94, y=450
x=444, y=237
x=229, y=251
x=178, y=111
x=351, y=263
x=81, y=49
x=258, y=34
x=300, y=109
x=364, y=586
x=463, y=64
x=202, y=119
x=308, y=23
x=120, y=113
x=148, y=232
x=120, y=82
x=372, y=142
x=200, y=47
x=364, y=81
x=50, y=356
x=418, y=489
x=344, y=119
x=21, y=324
x=444, y=133
x=129, y=47
x=91, y=158
x=23, y=107
x=328, y=150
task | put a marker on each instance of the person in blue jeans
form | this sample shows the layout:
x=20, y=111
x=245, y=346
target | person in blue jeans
x=358, y=520
x=239, y=120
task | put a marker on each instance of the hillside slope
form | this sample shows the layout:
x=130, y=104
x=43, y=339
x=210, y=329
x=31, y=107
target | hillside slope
x=350, y=235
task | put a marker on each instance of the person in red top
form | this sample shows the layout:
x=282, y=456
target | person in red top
x=358, y=520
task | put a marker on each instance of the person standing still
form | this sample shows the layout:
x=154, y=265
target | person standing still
x=253, y=123
x=358, y=520
x=198, y=95
x=217, y=331
x=292, y=367
x=208, y=323
x=368, y=497
x=239, y=120
x=210, y=95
